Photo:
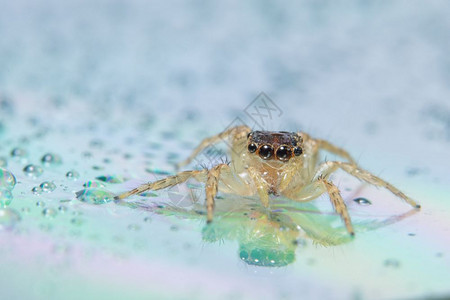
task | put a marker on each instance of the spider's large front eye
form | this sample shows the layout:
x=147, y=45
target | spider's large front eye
x=252, y=148
x=266, y=151
x=284, y=153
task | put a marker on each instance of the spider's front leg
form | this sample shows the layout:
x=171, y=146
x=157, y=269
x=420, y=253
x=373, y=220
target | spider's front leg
x=235, y=132
x=338, y=203
x=212, y=185
x=181, y=177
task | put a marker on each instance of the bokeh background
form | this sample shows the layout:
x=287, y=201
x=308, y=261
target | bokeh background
x=100, y=96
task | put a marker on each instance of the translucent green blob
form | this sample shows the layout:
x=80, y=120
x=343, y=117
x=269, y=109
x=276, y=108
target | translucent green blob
x=7, y=179
x=266, y=257
x=95, y=196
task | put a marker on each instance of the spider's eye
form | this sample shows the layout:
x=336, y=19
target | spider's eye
x=252, y=148
x=298, y=151
x=266, y=151
x=284, y=153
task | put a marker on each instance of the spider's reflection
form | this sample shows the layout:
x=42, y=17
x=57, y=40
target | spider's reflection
x=271, y=238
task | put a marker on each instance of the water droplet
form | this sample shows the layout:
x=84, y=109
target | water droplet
x=96, y=143
x=8, y=218
x=18, y=153
x=36, y=190
x=49, y=212
x=47, y=186
x=5, y=197
x=3, y=162
x=110, y=178
x=93, y=184
x=7, y=179
x=362, y=201
x=51, y=159
x=72, y=175
x=62, y=208
x=77, y=221
x=134, y=227
x=392, y=263
x=33, y=171
x=95, y=196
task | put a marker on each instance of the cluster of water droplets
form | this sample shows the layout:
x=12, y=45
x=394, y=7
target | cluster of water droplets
x=8, y=216
x=7, y=183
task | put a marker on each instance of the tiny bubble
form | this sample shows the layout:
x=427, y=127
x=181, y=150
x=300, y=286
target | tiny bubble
x=33, y=170
x=134, y=227
x=18, y=153
x=36, y=190
x=392, y=263
x=47, y=186
x=49, y=212
x=72, y=175
x=362, y=201
x=50, y=159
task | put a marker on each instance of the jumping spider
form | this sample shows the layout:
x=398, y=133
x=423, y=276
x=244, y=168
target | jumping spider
x=273, y=163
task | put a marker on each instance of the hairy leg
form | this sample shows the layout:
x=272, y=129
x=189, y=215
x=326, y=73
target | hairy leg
x=327, y=146
x=338, y=203
x=212, y=185
x=181, y=177
x=317, y=188
x=329, y=167
x=232, y=132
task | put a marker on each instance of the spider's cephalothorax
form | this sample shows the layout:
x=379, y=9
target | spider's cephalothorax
x=280, y=145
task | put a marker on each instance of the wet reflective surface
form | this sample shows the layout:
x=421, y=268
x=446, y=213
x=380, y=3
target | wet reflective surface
x=97, y=98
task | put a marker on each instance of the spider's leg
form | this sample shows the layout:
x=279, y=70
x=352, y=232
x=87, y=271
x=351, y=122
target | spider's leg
x=327, y=146
x=165, y=182
x=236, y=132
x=212, y=184
x=261, y=186
x=338, y=203
x=327, y=168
